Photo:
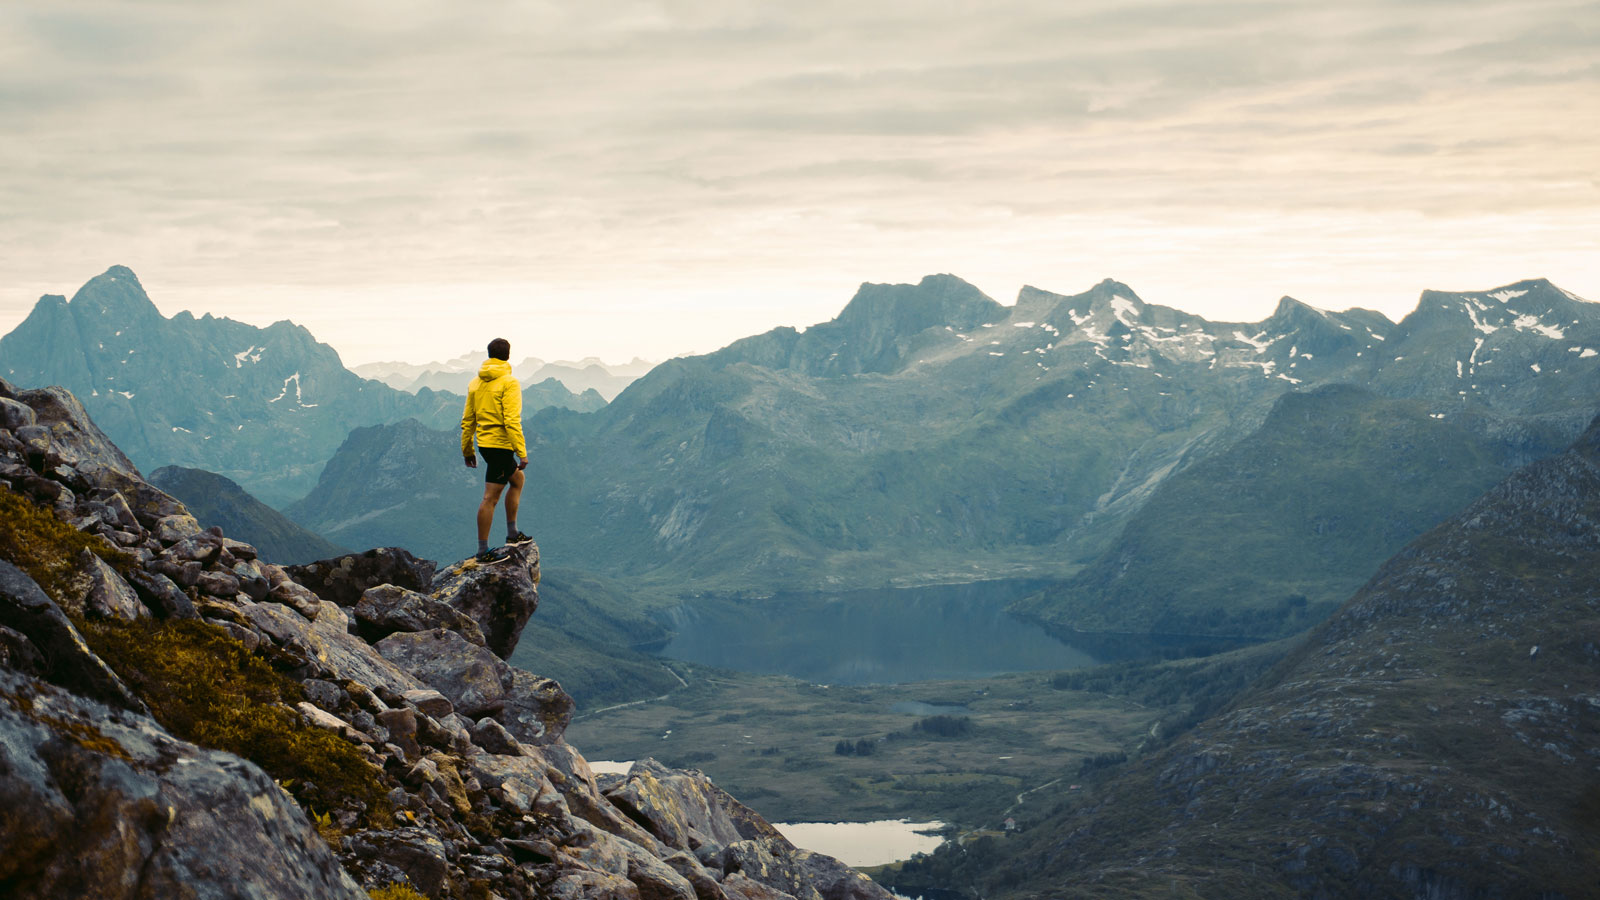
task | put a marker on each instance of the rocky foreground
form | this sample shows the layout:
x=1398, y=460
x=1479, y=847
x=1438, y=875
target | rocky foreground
x=478, y=794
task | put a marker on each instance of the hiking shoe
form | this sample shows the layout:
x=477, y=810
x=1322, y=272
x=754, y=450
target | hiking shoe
x=493, y=555
x=518, y=539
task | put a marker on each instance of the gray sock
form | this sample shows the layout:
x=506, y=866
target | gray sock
x=511, y=530
x=483, y=545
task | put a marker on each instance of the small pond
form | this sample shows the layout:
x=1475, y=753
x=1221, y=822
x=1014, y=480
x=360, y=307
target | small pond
x=864, y=843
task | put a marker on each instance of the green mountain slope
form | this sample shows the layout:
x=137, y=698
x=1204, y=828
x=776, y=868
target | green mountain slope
x=928, y=434
x=1271, y=534
x=1435, y=738
x=215, y=500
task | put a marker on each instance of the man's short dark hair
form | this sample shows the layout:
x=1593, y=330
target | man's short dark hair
x=499, y=348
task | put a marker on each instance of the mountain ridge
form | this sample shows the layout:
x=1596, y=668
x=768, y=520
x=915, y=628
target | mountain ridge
x=1022, y=439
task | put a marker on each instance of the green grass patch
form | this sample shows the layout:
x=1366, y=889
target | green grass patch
x=207, y=688
x=45, y=547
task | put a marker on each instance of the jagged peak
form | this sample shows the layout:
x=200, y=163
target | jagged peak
x=935, y=300
x=1109, y=294
x=115, y=291
x=1505, y=293
x=1288, y=305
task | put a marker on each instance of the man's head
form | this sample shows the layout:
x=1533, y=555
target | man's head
x=500, y=348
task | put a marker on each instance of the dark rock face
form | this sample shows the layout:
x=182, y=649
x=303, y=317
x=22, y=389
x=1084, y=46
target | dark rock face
x=343, y=579
x=500, y=597
x=99, y=803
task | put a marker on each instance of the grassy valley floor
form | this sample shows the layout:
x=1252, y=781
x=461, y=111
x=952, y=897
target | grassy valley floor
x=959, y=751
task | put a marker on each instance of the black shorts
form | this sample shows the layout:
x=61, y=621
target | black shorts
x=501, y=463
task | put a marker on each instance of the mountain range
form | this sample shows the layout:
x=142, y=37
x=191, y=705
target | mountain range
x=928, y=434
x=265, y=407
x=1438, y=737
x=580, y=377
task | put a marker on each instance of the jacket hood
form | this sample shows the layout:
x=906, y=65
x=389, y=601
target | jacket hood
x=493, y=368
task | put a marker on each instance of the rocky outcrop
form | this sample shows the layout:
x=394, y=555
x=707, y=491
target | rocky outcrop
x=686, y=812
x=484, y=796
x=95, y=802
x=500, y=596
x=343, y=579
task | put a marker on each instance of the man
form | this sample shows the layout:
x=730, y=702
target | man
x=494, y=416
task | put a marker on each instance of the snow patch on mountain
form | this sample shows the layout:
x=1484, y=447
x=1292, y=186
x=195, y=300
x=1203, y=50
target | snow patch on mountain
x=1532, y=323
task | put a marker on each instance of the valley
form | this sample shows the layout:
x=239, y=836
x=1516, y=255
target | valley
x=941, y=558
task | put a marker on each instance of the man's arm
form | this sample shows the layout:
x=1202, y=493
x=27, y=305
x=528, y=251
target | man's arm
x=469, y=427
x=511, y=406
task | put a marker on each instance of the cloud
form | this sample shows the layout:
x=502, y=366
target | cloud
x=598, y=150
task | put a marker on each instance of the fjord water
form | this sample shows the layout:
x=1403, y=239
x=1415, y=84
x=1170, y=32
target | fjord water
x=883, y=636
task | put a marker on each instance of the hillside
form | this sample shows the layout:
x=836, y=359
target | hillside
x=215, y=500
x=181, y=717
x=1273, y=533
x=1435, y=738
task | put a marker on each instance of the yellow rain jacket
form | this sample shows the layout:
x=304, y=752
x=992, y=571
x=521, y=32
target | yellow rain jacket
x=494, y=411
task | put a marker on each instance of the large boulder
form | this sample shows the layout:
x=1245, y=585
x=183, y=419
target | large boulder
x=500, y=597
x=536, y=710
x=343, y=579
x=684, y=810
x=27, y=609
x=108, y=594
x=95, y=803
x=324, y=648
x=468, y=675
x=387, y=608
x=74, y=439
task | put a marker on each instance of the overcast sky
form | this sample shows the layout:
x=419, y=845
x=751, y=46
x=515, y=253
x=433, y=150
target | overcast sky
x=410, y=178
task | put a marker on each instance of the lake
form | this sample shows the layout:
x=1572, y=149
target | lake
x=886, y=636
x=852, y=843
x=862, y=844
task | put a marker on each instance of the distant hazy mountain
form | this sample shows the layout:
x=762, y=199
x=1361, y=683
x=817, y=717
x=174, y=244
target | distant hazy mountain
x=1435, y=738
x=930, y=434
x=216, y=500
x=580, y=377
x=265, y=407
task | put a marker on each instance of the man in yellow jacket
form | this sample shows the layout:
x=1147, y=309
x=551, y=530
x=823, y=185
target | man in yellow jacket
x=493, y=416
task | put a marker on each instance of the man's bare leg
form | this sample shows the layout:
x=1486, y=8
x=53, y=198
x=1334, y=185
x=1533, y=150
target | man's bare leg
x=513, y=500
x=491, y=496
